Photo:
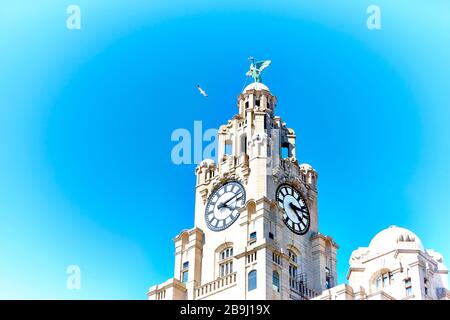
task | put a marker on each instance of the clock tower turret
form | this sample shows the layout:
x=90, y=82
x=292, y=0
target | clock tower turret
x=256, y=230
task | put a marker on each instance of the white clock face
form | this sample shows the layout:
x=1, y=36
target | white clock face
x=223, y=205
x=295, y=210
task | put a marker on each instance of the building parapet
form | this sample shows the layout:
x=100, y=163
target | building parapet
x=215, y=286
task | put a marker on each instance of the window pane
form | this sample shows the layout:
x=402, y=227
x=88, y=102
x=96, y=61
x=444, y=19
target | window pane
x=409, y=291
x=284, y=152
x=186, y=265
x=228, y=148
x=185, y=276
x=379, y=283
x=276, y=281
x=253, y=235
x=252, y=280
x=385, y=280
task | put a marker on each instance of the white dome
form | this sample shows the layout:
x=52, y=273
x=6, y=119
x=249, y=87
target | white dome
x=392, y=237
x=306, y=166
x=256, y=86
x=207, y=163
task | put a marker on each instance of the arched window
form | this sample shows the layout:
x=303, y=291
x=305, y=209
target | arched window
x=252, y=280
x=226, y=262
x=383, y=280
x=276, y=281
x=228, y=147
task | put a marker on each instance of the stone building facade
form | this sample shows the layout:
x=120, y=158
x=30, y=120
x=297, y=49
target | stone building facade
x=256, y=229
x=395, y=266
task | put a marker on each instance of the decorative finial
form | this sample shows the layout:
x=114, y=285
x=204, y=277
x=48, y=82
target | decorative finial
x=257, y=68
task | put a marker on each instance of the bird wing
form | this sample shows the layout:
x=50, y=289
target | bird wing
x=261, y=65
x=201, y=91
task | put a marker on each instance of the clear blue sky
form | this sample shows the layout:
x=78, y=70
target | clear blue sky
x=86, y=118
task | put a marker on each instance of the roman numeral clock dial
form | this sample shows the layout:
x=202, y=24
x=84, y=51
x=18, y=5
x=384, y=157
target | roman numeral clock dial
x=295, y=210
x=223, y=205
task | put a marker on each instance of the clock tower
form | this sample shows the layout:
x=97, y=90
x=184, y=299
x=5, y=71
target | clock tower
x=255, y=233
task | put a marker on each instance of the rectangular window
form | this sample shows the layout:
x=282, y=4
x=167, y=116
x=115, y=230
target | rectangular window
x=185, y=276
x=385, y=280
x=276, y=258
x=327, y=278
x=225, y=268
x=253, y=236
x=186, y=265
x=228, y=148
x=292, y=271
x=285, y=152
x=409, y=291
x=378, y=283
x=293, y=256
x=244, y=143
x=426, y=291
x=271, y=235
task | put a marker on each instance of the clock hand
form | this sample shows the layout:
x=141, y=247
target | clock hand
x=221, y=205
x=225, y=203
x=295, y=208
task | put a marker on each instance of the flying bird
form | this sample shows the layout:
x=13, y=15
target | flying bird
x=202, y=92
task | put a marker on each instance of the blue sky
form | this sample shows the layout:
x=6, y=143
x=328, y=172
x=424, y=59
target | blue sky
x=86, y=118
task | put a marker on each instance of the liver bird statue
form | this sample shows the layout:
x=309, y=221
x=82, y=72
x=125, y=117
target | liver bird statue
x=256, y=68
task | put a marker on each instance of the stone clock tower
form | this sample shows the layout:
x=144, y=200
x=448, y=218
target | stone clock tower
x=256, y=232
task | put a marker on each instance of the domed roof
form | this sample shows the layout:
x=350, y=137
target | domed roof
x=306, y=166
x=207, y=163
x=256, y=86
x=392, y=237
